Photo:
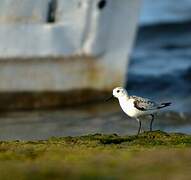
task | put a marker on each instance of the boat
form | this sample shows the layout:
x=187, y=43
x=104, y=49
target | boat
x=57, y=52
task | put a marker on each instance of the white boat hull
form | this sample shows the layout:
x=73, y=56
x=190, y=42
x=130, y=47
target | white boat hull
x=87, y=47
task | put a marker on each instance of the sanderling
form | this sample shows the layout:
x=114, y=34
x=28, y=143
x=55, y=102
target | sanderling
x=135, y=106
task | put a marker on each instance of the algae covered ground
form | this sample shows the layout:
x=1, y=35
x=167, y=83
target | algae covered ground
x=151, y=155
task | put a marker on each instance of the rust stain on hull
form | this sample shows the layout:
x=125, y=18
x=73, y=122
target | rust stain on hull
x=50, y=100
x=80, y=80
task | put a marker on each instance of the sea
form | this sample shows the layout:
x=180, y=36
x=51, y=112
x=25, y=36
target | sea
x=160, y=63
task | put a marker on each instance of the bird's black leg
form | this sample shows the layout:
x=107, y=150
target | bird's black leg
x=139, y=126
x=151, y=123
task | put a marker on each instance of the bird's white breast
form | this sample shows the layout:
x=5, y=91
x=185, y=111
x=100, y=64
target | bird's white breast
x=127, y=106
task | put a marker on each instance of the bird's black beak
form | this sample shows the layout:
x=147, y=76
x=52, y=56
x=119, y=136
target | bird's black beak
x=110, y=98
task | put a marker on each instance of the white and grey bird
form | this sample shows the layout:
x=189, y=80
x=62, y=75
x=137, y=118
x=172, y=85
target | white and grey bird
x=135, y=106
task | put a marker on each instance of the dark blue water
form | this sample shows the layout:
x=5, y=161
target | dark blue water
x=160, y=65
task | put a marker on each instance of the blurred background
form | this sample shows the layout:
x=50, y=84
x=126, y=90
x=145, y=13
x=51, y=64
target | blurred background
x=55, y=77
x=160, y=61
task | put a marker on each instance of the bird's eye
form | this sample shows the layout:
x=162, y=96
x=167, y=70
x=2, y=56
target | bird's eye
x=118, y=91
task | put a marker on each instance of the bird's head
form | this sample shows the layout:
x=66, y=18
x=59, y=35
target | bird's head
x=119, y=92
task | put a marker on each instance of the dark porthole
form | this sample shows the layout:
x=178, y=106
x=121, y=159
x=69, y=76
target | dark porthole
x=52, y=7
x=101, y=4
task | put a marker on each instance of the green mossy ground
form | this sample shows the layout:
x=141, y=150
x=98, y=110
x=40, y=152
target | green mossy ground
x=151, y=155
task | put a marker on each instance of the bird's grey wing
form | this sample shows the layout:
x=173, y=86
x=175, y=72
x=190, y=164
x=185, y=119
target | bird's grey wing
x=144, y=104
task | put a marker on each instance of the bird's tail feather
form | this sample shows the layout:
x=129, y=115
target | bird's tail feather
x=162, y=105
